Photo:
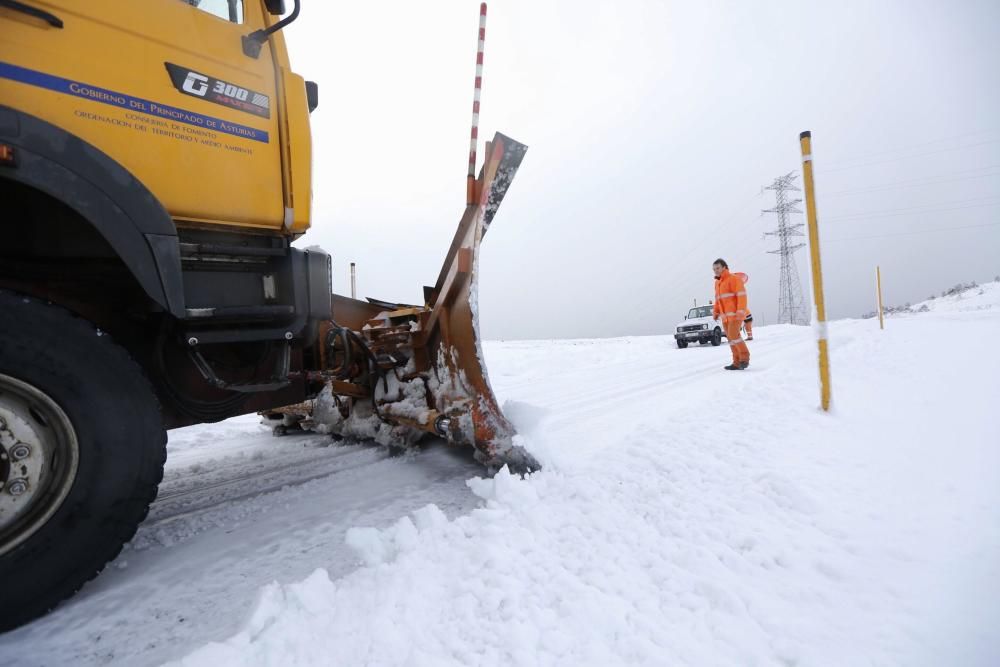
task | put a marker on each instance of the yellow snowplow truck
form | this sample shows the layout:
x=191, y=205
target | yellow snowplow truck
x=154, y=172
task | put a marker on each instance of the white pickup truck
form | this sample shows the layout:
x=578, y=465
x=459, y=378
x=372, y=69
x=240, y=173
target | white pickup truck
x=698, y=327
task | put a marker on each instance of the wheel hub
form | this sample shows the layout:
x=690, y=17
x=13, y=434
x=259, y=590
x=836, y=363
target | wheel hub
x=39, y=454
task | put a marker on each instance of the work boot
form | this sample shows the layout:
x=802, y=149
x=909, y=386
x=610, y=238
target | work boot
x=744, y=365
x=733, y=367
x=749, y=337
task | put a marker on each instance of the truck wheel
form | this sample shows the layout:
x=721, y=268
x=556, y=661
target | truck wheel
x=82, y=447
x=717, y=337
x=682, y=343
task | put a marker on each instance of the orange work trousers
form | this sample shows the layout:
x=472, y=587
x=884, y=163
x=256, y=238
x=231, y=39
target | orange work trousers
x=741, y=353
x=748, y=327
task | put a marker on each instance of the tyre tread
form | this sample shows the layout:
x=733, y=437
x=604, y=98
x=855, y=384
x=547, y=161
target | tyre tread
x=129, y=512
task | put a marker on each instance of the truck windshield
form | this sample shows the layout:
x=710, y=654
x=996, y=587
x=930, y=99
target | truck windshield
x=700, y=311
x=230, y=10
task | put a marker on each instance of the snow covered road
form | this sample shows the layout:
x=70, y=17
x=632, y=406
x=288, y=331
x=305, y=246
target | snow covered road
x=237, y=510
x=685, y=515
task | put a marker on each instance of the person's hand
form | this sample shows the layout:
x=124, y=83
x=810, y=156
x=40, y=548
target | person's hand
x=715, y=317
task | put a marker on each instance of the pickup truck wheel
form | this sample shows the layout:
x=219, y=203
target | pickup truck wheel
x=717, y=337
x=682, y=343
x=82, y=447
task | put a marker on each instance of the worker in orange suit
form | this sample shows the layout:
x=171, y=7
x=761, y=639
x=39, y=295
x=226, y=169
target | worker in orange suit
x=731, y=305
x=748, y=325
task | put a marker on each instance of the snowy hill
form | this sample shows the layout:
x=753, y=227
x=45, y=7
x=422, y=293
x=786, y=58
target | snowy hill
x=685, y=515
x=966, y=298
x=961, y=297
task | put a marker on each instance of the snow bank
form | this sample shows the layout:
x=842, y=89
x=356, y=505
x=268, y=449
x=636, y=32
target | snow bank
x=973, y=297
x=960, y=298
x=692, y=516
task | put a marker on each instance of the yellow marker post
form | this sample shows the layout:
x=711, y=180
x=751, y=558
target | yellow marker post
x=805, y=140
x=878, y=282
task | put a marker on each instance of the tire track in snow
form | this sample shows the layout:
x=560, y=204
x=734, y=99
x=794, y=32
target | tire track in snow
x=175, y=505
x=678, y=360
x=602, y=401
x=178, y=471
x=188, y=480
x=649, y=377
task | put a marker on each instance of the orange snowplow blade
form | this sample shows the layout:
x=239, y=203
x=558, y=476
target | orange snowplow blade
x=451, y=334
x=393, y=372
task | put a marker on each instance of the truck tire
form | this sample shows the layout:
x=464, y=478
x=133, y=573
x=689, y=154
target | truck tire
x=682, y=343
x=717, y=337
x=82, y=447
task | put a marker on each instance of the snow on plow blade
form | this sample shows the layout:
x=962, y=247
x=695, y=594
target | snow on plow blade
x=452, y=329
x=394, y=372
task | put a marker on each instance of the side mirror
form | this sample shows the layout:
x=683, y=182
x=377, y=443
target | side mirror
x=312, y=95
x=275, y=7
x=255, y=40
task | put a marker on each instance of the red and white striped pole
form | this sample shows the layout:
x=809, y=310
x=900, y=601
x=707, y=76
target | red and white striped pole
x=474, y=140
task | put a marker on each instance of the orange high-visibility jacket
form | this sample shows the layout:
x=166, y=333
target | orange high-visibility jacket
x=730, y=297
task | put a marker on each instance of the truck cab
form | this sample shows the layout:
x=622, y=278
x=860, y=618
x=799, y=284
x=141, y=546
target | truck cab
x=154, y=183
x=698, y=327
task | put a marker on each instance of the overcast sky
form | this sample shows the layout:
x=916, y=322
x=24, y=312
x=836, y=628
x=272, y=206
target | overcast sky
x=652, y=127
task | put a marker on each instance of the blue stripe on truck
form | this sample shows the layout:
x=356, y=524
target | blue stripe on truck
x=104, y=96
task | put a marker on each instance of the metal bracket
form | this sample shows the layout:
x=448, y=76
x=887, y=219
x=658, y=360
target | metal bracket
x=277, y=381
x=253, y=42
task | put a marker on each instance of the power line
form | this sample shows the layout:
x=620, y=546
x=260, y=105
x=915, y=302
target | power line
x=689, y=257
x=907, y=157
x=910, y=147
x=892, y=213
x=686, y=266
x=916, y=182
x=689, y=247
x=695, y=271
x=715, y=230
x=912, y=232
x=955, y=202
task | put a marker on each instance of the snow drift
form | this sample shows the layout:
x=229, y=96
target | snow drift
x=692, y=516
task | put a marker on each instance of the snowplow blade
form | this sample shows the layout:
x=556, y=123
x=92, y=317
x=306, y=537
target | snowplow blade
x=451, y=335
x=394, y=372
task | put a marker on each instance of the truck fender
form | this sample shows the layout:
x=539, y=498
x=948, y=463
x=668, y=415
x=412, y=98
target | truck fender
x=105, y=194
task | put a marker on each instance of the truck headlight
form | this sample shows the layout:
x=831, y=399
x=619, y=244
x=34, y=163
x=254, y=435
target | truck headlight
x=704, y=326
